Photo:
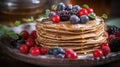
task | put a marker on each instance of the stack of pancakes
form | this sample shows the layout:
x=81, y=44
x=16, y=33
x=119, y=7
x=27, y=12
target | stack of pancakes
x=83, y=38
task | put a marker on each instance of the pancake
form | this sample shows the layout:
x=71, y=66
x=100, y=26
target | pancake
x=83, y=38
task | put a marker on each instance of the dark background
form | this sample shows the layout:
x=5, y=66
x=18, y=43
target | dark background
x=6, y=61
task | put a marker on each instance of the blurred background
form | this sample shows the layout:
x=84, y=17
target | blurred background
x=12, y=10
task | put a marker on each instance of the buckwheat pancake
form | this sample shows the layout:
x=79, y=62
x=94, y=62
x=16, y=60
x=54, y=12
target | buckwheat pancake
x=83, y=38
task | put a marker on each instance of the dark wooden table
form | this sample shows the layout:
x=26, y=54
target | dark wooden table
x=6, y=61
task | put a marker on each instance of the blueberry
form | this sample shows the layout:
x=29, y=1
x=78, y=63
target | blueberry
x=84, y=19
x=21, y=41
x=74, y=19
x=51, y=14
x=13, y=43
x=60, y=50
x=69, y=7
x=77, y=7
x=61, y=6
x=55, y=51
x=60, y=56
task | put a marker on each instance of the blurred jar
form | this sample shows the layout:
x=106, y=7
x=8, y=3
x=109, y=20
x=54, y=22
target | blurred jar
x=51, y=2
x=18, y=9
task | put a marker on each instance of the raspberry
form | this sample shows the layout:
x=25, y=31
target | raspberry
x=34, y=51
x=55, y=19
x=24, y=34
x=104, y=44
x=90, y=10
x=83, y=12
x=23, y=49
x=111, y=37
x=43, y=51
x=97, y=53
x=105, y=50
x=70, y=54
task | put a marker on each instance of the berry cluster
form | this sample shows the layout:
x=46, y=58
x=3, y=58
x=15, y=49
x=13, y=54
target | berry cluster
x=26, y=45
x=60, y=53
x=104, y=51
x=113, y=33
x=114, y=38
x=74, y=14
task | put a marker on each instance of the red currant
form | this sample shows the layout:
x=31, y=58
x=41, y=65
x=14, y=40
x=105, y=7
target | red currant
x=24, y=34
x=105, y=50
x=55, y=19
x=118, y=34
x=70, y=54
x=34, y=51
x=43, y=51
x=33, y=34
x=104, y=44
x=97, y=53
x=23, y=49
x=90, y=10
x=111, y=37
x=30, y=42
x=69, y=51
x=83, y=12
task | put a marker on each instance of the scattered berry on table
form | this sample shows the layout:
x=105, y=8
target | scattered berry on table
x=104, y=44
x=60, y=56
x=23, y=48
x=30, y=42
x=115, y=45
x=55, y=19
x=33, y=34
x=74, y=19
x=34, y=51
x=24, y=34
x=55, y=51
x=84, y=19
x=105, y=50
x=70, y=54
x=111, y=37
x=61, y=6
x=13, y=43
x=97, y=53
x=43, y=51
